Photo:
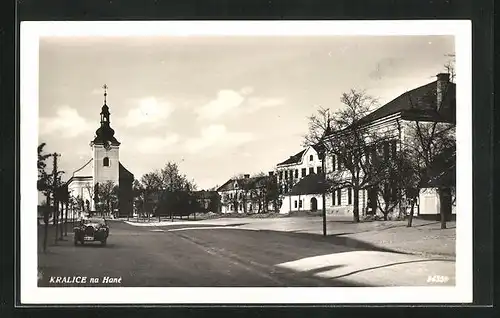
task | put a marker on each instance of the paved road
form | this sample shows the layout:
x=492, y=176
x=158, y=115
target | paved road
x=174, y=256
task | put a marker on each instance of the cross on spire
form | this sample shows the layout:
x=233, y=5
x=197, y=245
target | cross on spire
x=105, y=87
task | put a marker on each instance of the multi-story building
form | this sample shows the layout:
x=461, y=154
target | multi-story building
x=298, y=166
x=434, y=102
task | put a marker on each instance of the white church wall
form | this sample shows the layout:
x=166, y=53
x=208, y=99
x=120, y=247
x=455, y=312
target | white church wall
x=101, y=173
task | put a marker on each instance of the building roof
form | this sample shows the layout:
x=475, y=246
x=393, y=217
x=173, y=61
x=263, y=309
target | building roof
x=417, y=102
x=243, y=183
x=298, y=156
x=310, y=184
x=84, y=171
x=124, y=174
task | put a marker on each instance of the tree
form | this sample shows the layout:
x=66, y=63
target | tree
x=450, y=67
x=107, y=197
x=44, y=180
x=431, y=146
x=139, y=196
x=91, y=192
x=348, y=142
x=397, y=179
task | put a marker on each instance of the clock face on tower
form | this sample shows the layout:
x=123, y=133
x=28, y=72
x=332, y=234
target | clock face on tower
x=107, y=145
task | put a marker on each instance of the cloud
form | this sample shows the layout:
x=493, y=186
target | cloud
x=257, y=103
x=156, y=145
x=247, y=90
x=226, y=101
x=67, y=123
x=231, y=102
x=149, y=111
x=217, y=136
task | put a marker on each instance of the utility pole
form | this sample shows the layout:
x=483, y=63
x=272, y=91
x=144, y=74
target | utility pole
x=54, y=192
x=323, y=170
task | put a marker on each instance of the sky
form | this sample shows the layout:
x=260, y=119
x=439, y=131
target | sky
x=218, y=106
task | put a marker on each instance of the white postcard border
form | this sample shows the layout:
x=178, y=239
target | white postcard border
x=29, y=50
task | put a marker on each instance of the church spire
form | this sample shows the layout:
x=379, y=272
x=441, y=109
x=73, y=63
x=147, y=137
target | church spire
x=105, y=87
x=105, y=134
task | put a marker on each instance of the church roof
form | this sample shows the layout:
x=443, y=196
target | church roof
x=123, y=173
x=84, y=171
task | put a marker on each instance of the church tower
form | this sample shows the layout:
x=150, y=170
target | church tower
x=105, y=150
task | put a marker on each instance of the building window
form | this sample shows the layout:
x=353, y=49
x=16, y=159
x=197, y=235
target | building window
x=311, y=158
x=349, y=196
x=300, y=204
x=295, y=203
x=281, y=175
x=333, y=197
x=318, y=169
x=339, y=164
x=339, y=197
x=304, y=172
x=286, y=174
x=333, y=163
x=296, y=173
x=105, y=162
x=311, y=170
x=393, y=148
x=386, y=150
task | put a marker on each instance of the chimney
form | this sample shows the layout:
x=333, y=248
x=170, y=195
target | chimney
x=271, y=173
x=247, y=176
x=443, y=79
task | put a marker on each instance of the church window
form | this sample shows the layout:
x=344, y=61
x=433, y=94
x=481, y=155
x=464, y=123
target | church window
x=105, y=162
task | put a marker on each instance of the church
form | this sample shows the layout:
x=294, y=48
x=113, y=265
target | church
x=102, y=167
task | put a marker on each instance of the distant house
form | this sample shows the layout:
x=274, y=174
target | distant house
x=208, y=201
x=246, y=194
x=298, y=166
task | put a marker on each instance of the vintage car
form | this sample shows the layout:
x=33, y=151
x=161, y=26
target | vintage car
x=91, y=230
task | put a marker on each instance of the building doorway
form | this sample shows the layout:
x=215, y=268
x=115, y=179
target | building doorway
x=314, y=204
x=371, y=206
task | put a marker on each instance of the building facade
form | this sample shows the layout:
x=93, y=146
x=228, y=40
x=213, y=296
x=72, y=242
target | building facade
x=247, y=194
x=298, y=166
x=434, y=102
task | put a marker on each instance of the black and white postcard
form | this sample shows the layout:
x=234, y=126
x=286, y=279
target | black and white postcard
x=209, y=162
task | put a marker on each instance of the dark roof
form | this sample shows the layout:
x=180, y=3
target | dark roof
x=310, y=184
x=244, y=183
x=124, y=174
x=105, y=133
x=298, y=156
x=420, y=101
x=293, y=159
x=204, y=194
